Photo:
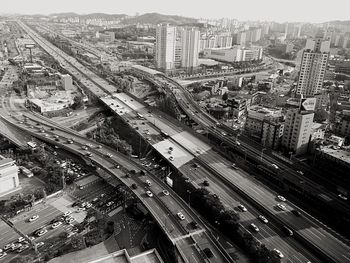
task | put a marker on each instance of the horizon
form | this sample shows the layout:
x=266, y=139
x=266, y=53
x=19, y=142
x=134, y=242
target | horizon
x=271, y=10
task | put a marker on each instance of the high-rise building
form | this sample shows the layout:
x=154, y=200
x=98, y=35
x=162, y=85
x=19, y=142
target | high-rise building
x=165, y=47
x=313, y=66
x=298, y=125
x=190, y=48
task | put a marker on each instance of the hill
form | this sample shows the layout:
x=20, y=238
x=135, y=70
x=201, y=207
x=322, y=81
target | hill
x=155, y=18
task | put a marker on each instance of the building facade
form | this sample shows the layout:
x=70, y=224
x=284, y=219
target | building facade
x=190, y=48
x=165, y=47
x=313, y=66
x=234, y=54
x=8, y=175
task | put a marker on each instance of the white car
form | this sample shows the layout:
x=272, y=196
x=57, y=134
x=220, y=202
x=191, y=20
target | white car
x=263, y=219
x=40, y=244
x=254, y=227
x=282, y=207
x=21, y=239
x=56, y=224
x=171, y=158
x=149, y=193
x=67, y=213
x=180, y=215
x=343, y=197
x=281, y=198
x=148, y=182
x=8, y=246
x=3, y=254
x=109, y=203
x=41, y=232
x=242, y=208
x=274, y=166
x=33, y=218
x=165, y=192
x=279, y=253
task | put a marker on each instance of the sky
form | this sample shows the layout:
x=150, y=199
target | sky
x=269, y=10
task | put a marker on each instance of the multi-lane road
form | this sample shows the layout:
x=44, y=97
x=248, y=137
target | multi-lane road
x=95, y=83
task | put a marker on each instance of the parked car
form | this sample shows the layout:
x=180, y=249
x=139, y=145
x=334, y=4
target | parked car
x=165, y=192
x=281, y=198
x=254, y=227
x=180, y=215
x=279, y=253
x=56, y=225
x=149, y=193
x=242, y=208
x=282, y=207
x=263, y=219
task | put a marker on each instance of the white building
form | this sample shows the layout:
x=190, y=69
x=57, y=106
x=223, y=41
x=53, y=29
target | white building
x=190, y=48
x=234, y=54
x=66, y=81
x=298, y=126
x=8, y=175
x=165, y=47
x=313, y=66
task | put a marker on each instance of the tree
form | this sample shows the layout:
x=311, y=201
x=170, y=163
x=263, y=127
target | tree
x=78, y=102
x=321, y=115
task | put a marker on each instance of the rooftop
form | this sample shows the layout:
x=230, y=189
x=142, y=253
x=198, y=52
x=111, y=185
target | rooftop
x=336, y=152
x=121, y=256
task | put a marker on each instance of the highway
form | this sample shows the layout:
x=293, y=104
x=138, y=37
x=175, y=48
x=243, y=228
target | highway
x=163, y=208
x=307, y=227
x=202, y=116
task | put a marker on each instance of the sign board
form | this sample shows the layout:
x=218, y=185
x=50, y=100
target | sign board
x=308, y=104
x=29, y=46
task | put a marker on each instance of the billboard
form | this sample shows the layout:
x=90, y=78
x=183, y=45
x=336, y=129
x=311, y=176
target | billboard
x=308, y=104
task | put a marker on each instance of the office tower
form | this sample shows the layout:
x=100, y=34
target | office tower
x=165, y=47
x=190, y=48
x=313, y=66
x=297, y=126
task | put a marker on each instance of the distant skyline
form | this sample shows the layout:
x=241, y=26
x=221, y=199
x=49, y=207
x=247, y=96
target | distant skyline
x=270, y=10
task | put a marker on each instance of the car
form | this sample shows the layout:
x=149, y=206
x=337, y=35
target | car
x=67, y=213
x=180, y=216
x=81, y=209
x=52, y=128
x=205, y=183
x=171, y=158
x=274, y=166
x=117, y=167
x=88, y=205
x=165, y=192
x=254, y=227
x=70, y=142
x=234, y=166
x=343, y=197
x=84, y=147
x=41, y=232
x=7, y=247
x=149, y=193
x=300, y=172
x=278, y=253
x=281, y=198
x=39, y=244
x=263, y=219
x=70, y=220
x=3, y=254
x=89, y=154
x=22, y=248
x=282, y=207
x=109, y=203
x=94, y=200
x=42, y=130
x=15, y=246
x=148, y=182
x=109, y=155
x=98, y=146
x=242, y=208
x=134, y=186
x=196, y=165
x=208, y=252
x=287, y=230
x=56, y=225
x=296, y=212
x=21, y=239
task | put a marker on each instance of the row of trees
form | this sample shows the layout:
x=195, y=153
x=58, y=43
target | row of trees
x=227, y=221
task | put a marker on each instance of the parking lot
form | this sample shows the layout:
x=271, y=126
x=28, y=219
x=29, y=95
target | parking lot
x=41, y=217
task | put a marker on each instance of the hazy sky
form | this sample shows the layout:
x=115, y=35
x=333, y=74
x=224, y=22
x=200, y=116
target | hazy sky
x=277, y=10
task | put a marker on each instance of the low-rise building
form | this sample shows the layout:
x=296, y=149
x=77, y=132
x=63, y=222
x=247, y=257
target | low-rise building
x=342, y=127
x=8, y=175
x=234, y=54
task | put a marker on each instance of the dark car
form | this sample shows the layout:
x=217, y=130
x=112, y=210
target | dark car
x=134, y=186
x=296, y=212
x=287, y=230
x=205, y=183
x=208, y=252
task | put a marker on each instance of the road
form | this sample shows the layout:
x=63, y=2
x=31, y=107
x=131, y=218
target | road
x=158, y=206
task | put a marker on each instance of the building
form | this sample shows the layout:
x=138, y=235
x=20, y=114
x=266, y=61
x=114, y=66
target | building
x=190, y=48
x=263, y=123
x=234, y=54
x=8, y=175
x=313, y=66
x=238, y=106
x=165, y=47
x=249, y=36
x=340, y=65
x=342, y=127
x=298, y=125
x=66, y=81
x=272, y=132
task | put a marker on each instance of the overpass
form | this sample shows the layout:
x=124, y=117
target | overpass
x=219, y=166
